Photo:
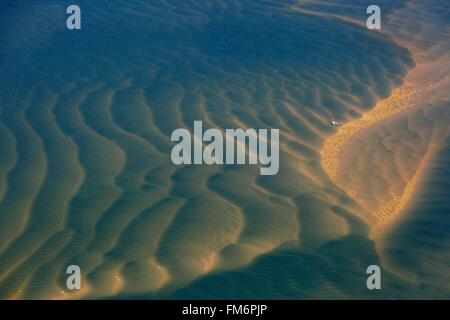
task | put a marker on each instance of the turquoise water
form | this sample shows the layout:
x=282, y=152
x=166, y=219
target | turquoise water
x=85, y=170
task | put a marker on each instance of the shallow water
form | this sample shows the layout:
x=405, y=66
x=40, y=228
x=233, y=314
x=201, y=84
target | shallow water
x=85, y=170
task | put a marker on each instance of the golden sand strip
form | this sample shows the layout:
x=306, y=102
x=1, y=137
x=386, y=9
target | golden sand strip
x=410, y=95
x=402, y=99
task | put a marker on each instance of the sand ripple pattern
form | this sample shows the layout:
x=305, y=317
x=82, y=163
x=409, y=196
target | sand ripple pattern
x=394, y=151
x=85, y=170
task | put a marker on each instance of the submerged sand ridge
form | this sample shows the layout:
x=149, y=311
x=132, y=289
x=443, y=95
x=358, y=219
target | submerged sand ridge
x=388, y=160
x=379, y=158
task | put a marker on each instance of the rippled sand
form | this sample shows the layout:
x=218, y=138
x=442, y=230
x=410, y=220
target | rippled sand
x=85, y=170
x=393, y=149
x=401, y=140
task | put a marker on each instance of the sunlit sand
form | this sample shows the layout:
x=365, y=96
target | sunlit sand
x=85, y=170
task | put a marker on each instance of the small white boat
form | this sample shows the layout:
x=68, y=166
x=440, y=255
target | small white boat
x=334, y=123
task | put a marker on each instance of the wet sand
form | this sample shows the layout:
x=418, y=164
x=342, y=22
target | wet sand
x=86, y=176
